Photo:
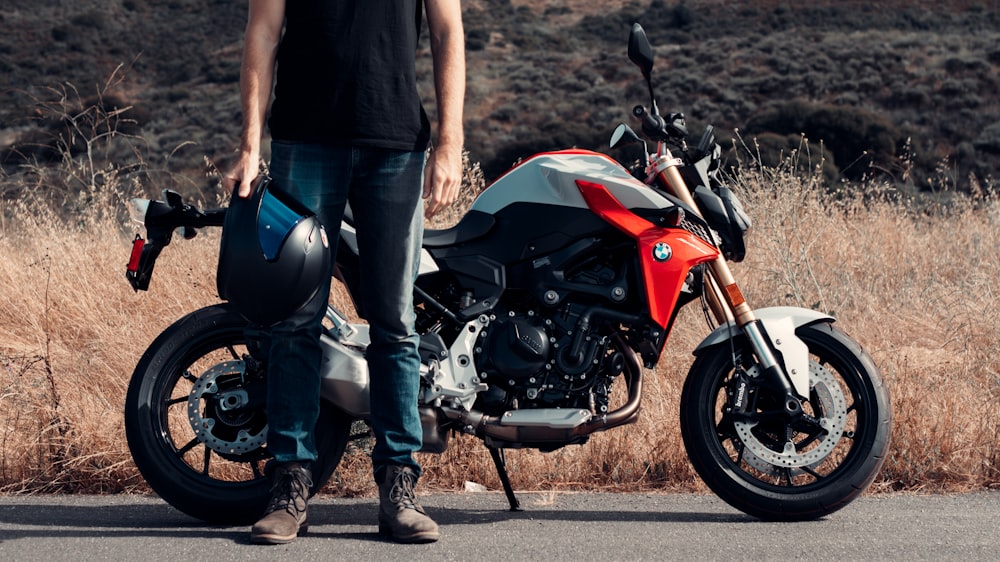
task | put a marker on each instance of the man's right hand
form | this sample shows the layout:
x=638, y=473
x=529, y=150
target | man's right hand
x=240, y=178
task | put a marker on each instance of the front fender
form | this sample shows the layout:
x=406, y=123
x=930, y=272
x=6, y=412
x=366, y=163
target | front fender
x=780, y=323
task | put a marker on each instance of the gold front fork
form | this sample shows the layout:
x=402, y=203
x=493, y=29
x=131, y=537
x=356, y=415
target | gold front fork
x=725, y=299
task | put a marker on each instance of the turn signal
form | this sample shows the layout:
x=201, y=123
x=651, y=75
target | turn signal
x=674, y=217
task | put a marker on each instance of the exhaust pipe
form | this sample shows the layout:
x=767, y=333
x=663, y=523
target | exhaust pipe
x=554, y=426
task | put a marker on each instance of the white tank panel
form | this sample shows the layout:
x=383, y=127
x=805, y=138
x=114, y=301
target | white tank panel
x=550, y=179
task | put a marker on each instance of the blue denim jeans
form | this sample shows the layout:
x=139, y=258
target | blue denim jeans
x=384, y=190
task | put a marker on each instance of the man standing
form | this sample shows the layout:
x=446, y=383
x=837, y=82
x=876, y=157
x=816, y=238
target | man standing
x=347, y=126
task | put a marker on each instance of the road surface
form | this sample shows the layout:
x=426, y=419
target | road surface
x=554, y=527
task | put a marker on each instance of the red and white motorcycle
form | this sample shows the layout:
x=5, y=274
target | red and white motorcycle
x=563, y=280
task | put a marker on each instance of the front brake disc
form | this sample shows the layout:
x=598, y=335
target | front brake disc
x=832, y=417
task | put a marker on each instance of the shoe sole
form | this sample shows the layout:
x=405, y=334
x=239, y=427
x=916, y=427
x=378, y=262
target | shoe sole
x=268, y=538
x=415, y=538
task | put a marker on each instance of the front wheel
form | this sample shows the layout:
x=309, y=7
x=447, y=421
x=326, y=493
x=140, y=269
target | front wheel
x=196, y=426
x=779, y=468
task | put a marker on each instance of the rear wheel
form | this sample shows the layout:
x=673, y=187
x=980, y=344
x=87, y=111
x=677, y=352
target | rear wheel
x=773, y=467
x=196, y=425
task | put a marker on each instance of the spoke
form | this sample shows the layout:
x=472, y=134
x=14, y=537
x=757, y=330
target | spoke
x=812, y=430
x=255, y=468
x=187, y=375
x=808, y=441
x=787, y=473
x=173, y=401
x=232, y=351
x=740, y=447
x=813, y=473
x=817, y=405
x=208, y=458
x=190, y=445
x=719, y=430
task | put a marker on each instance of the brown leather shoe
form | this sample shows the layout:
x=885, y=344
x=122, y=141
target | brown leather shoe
x=399, y=515
x=286, y=515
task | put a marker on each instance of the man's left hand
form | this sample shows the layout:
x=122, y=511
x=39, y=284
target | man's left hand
x=442, y=179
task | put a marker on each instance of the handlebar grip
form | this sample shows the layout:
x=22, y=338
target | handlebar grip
x=655, y=126
x=652, y=125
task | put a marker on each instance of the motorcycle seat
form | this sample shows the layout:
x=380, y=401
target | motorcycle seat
x=473, y=225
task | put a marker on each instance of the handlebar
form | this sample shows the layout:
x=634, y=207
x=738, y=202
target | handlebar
x=657, y=128
x=173, y=213
x=161, y=219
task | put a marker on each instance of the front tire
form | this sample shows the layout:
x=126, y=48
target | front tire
x=195, y=421
x=779, y=469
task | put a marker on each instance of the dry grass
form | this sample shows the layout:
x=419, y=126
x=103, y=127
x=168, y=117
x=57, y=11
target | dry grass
x=916, y=286
x=71, y=330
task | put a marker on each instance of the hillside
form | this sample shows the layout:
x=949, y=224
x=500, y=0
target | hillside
x=905, y=90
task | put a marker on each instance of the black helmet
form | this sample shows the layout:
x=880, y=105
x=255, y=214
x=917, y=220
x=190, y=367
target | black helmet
x=273, y=256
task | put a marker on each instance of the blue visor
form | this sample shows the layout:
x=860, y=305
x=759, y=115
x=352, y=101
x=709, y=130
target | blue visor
x=274, y=223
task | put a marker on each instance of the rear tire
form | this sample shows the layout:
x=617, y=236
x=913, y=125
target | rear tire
x=750, y=462
x=217, y=474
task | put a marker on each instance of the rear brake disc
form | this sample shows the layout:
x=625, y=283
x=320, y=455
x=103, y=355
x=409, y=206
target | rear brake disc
x=219, y=417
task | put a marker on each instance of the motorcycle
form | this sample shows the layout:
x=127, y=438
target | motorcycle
x=563, y=280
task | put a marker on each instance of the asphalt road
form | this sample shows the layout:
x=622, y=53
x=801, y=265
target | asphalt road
x=553, y=527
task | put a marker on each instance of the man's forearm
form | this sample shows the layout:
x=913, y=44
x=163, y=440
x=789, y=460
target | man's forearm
x=448, y=51
x=255, y=93
x=257, y=76
x=260, y=49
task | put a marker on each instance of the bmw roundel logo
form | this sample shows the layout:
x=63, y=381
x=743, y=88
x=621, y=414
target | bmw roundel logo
x=662, y=251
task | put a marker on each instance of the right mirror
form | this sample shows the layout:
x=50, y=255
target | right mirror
x=639, y=50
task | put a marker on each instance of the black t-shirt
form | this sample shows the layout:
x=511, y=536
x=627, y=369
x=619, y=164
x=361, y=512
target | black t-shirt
x=346, y=75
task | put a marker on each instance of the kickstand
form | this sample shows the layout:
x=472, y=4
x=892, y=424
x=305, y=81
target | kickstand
x=501, y=463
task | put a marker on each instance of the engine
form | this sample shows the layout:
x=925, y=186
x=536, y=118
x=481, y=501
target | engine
x=531, y=361
x=549, y=341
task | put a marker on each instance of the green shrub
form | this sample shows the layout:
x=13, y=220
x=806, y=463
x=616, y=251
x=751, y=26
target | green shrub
x=989, y=139
x=857, y=138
